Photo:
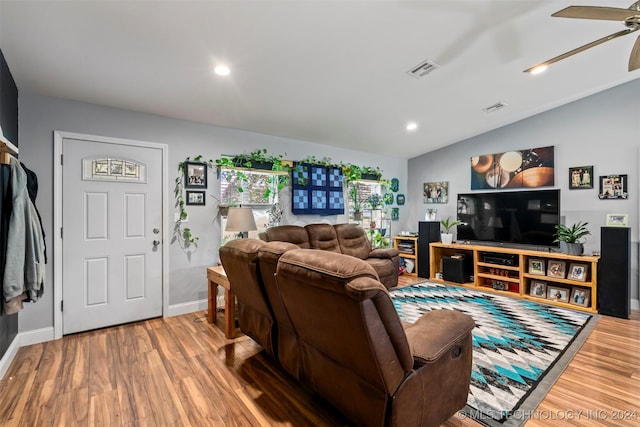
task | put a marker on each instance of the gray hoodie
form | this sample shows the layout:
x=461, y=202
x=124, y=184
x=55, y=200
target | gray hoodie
x=24, y=268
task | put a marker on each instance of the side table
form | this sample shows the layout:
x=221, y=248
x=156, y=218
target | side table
x=216, y=276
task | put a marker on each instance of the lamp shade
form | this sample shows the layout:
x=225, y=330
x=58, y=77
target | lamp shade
x=240, y=219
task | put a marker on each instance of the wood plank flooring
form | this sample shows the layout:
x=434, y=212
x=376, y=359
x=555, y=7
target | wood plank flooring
x=181, y=371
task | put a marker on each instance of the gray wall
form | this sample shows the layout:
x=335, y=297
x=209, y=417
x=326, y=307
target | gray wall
x=602, y=130
x=39, y=116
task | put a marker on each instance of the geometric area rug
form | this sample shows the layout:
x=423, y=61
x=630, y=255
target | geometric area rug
x=520, y=347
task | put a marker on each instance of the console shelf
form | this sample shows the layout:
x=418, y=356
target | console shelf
x=548, y=277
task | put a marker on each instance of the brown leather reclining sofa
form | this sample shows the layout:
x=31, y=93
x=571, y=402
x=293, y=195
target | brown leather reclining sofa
x=348, y=239
x=330, y=323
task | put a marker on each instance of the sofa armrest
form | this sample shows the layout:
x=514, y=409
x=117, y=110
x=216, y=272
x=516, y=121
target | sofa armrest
x=387, y=253
x=437, y=332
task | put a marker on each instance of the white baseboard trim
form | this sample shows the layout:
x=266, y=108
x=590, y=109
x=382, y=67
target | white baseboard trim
x=6, y=360
x=187, y=307
x=635, y=304
x=36, y=336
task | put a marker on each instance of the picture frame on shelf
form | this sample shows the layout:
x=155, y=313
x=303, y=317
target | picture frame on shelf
x=577, y=271
x=431, y=215
x=538, y=289
x=556, y=269
x=557, y=293
x=195, y=175
x=580, y=177
x=196, y=198
x=617, y=220
x=536, y=266
x=613, y=187
x=580, y=296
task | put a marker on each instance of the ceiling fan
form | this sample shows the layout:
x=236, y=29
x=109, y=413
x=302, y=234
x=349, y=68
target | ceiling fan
x=630, y=17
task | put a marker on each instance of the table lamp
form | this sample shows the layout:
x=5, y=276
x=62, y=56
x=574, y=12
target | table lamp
x=241, y=220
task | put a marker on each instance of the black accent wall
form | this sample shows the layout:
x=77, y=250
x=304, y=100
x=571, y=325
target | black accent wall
x=9, y=122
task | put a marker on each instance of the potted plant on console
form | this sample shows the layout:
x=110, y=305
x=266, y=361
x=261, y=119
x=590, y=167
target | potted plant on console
x=447, y=225
x=569, y=237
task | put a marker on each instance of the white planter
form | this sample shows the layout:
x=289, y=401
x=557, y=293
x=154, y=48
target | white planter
x=447, y=238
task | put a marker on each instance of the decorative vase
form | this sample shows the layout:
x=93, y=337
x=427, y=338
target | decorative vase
x=447, y=238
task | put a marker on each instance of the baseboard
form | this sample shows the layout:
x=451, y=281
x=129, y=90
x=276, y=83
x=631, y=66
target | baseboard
x=21, y=340
x=187, y=307
x=36, y=336
x=635, y=304
x=6, y=360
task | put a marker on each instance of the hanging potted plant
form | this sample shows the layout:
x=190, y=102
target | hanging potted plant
x=569, y=237
x=446, y=236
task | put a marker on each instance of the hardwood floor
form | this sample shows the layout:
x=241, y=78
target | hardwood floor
x=181, y=371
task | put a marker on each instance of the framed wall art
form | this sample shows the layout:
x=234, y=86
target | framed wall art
x=436, y=192
x=395, y=214
x=400, y=199
x=196, y=198
x=617, y=220
x=195, y=175
x=580, y=177
x=531, y=168
x=613, y=187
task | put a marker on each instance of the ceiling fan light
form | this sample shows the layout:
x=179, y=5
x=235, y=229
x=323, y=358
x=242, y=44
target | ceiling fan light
x=538, y=69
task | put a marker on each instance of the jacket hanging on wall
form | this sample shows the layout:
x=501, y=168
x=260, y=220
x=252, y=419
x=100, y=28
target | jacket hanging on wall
x=24, y=267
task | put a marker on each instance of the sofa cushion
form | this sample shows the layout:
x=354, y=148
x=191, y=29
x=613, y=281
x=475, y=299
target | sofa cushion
x=289, y=233
x=353, y=240
x=323, y=236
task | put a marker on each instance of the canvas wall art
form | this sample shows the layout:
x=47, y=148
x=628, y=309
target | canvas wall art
x=530, y=168
x=436, y=192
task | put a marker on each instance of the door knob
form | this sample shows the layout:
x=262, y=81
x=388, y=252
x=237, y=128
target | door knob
x=156, y=243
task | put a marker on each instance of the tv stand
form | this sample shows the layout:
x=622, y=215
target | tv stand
x=542, y=276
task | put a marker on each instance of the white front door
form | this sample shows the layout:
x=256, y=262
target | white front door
x=111, y=233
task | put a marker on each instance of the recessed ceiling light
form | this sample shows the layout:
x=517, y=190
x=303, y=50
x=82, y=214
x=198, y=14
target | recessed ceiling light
x=411, y=126
x=222, y=70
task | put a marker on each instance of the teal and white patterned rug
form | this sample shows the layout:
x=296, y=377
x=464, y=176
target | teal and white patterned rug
x=516, y=344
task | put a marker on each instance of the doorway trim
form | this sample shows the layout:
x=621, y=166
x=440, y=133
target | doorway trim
x=58, y=137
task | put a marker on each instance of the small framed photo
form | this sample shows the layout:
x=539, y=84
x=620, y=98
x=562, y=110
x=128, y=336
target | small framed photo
x=556, y=293
x=538, y=289
x=617, y=220
x=195, y=175
x=431, y=214
x=580, y=177
x=613, y=187
x=196, y=198
x=556, y=269
x=580, y=296
x=400, y=199
x=577, y=272
x=435, y=192
x=536, y=266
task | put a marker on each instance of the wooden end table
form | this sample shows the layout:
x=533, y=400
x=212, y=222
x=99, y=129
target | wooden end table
x=217, y=276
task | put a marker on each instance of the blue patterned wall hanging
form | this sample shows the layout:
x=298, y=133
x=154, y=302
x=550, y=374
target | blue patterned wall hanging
x=316, y=190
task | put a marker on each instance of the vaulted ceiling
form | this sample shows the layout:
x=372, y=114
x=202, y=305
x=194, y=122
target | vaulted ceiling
x=331, y=72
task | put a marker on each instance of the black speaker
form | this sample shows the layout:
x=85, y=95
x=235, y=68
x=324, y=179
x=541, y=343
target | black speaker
x=428, y=231
x=457, y=268
x=614, y=272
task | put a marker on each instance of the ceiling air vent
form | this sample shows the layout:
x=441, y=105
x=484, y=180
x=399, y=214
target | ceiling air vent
x=495, y=107
x=423, y=69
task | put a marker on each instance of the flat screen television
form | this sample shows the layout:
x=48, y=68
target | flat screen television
x=517, y=217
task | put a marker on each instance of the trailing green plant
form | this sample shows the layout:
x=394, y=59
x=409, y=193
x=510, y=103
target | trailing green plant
x=184, y=234
x=571, y=234
x=236, y=165
x=448, y=224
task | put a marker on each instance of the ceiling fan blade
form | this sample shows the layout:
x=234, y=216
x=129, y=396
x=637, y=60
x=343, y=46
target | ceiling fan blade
x=581, y=48
x=596, y=12
x=634, y=59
